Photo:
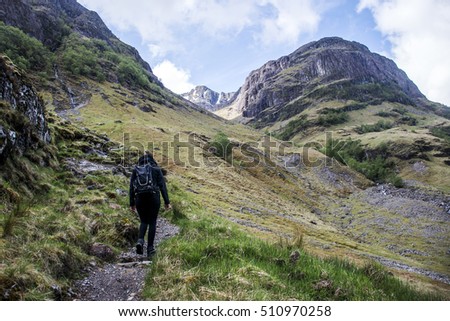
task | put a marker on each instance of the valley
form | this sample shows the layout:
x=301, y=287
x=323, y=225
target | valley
x=345, y=169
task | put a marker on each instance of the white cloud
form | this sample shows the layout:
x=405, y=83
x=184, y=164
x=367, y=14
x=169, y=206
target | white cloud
x=161, y=23
x=419, y=33
x=292, y=19
x=174, y=78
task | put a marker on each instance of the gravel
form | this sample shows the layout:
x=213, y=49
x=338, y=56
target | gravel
x=122, y=280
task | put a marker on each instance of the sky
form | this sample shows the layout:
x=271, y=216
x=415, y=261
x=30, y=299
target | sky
x=217, y=43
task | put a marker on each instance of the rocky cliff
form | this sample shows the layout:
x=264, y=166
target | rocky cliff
x=208, y=98
x=324, y=69
x=22, y=125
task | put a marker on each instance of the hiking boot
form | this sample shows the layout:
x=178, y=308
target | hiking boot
x=151, y=251
x=140, y=247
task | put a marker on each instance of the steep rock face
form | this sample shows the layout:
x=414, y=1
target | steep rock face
x=329, y=61
x=23, y=124
x=207, y=98
x=51, y=20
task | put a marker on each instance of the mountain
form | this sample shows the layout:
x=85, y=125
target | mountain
x=50, y=21
x=208, y=98
x=364, y=178
x=327, y=69
x=361, y=99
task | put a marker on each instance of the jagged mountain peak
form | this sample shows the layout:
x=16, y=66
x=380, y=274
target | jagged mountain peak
x=208, y=98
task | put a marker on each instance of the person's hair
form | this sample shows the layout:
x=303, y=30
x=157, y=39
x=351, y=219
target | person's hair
x=147, y=158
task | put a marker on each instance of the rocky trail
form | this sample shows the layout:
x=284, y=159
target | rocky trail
x=122, y=280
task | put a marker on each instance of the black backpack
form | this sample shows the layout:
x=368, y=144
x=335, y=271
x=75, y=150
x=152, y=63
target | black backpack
x=143, y=182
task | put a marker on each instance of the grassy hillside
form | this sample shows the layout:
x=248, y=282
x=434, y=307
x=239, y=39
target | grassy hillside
x=268, y=199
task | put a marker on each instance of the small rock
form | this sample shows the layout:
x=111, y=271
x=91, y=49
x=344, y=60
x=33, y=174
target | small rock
x=115, y=206
x=323, y=284
x=102, y=251
x=294, y=256
x=57, y=292
x=121, y=192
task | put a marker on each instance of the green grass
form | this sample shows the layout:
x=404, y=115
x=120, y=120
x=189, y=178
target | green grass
x=211, y=259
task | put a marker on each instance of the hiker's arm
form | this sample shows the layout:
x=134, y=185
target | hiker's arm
x=163, y=188
x=131, y=191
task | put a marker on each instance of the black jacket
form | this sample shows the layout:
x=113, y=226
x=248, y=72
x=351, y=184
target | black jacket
x=158, y=178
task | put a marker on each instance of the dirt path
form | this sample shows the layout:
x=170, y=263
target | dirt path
x=122, y=280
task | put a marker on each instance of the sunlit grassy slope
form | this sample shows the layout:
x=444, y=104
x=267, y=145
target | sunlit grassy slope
x=268, y=200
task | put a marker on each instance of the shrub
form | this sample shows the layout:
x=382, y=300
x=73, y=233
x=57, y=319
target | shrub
x=372, y=164
x=82, y=58
x=26, y=52
x=92, y=57
x=221, y=146
x=372, y=93
x=377, y=127
x=441, y=132
x=386, y=114
x=407, y=120
x=129, y=72
x=332, y=117
x=292, y=128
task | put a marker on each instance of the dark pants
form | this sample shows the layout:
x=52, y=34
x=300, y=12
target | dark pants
x=147, y=206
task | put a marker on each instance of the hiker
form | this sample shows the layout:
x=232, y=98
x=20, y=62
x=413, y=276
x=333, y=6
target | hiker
x=147, y=181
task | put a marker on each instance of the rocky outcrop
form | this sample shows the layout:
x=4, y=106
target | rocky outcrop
x=331, y=63
x=23, y=124
x=207, y=98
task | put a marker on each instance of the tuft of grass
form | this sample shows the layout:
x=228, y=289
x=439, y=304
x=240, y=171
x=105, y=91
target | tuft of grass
x=14, y=216
x=296, y=241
